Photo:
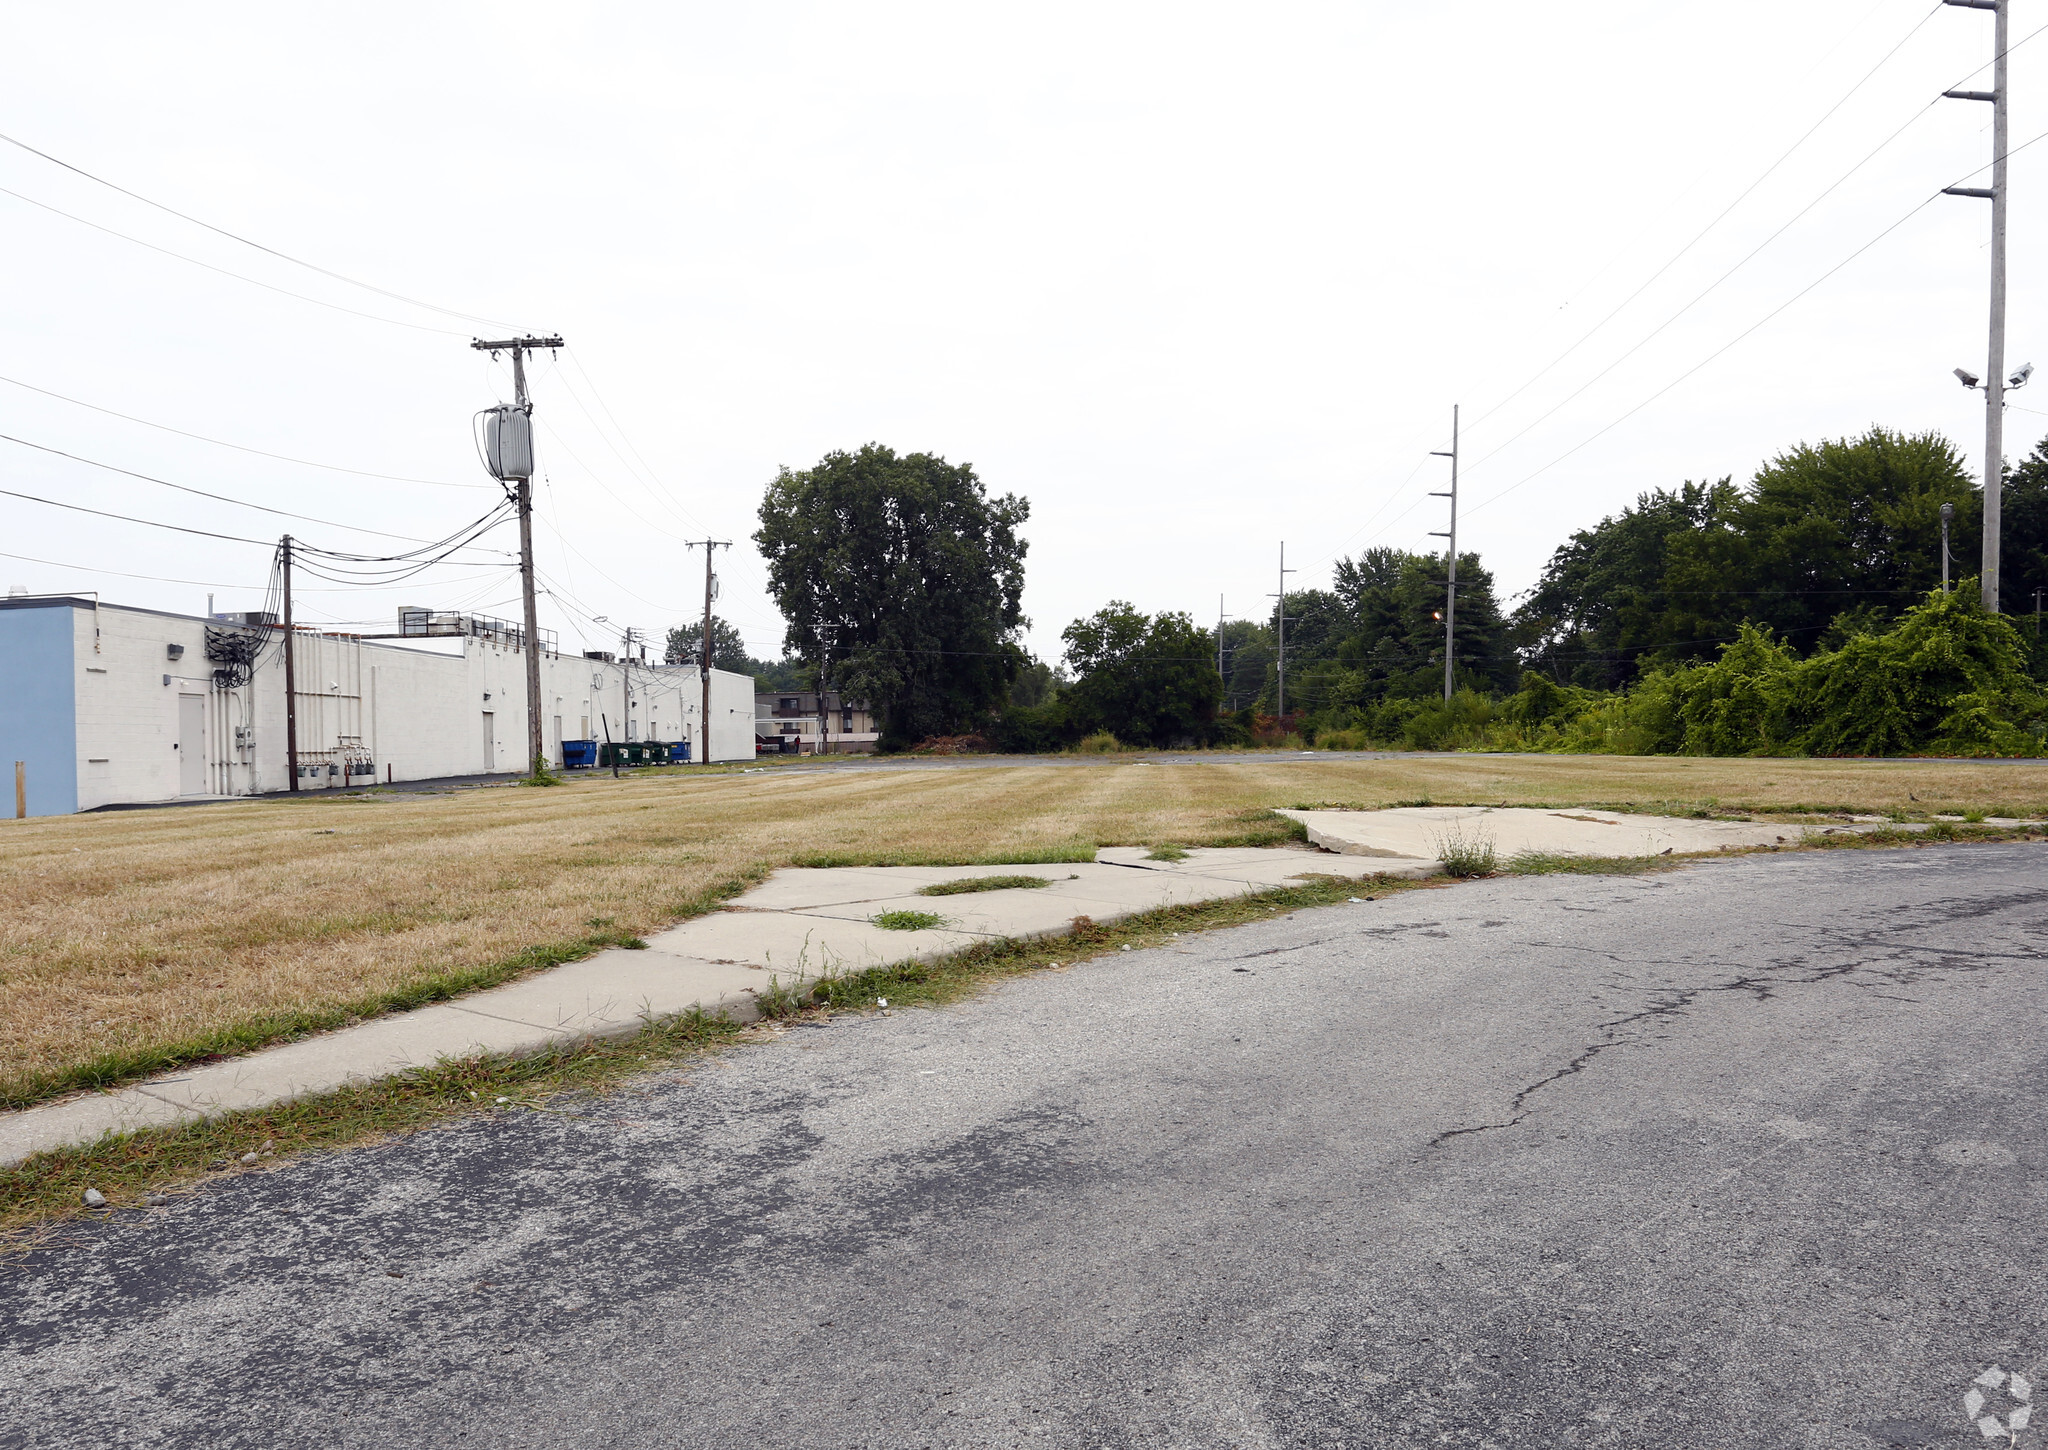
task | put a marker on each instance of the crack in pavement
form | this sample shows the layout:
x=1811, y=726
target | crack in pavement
x=1859, y=951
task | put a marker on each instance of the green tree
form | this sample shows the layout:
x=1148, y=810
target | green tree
x=1822, y=528
x=918, y=574
x=2023, y=546
x=1396, y=647
x=728, y=650
x=1037, y=683
x=1148, y=680
x=1826, y=542
x=1601, y=604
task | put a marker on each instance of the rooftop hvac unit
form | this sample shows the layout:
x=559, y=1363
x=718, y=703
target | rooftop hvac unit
x=508, y=442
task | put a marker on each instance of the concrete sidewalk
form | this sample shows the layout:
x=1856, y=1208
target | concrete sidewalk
x=1420, y=833
x=796, y=926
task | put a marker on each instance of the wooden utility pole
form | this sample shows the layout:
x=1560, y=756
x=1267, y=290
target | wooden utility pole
x=1995, y=381
x=291, y=674
x=710, y=547
x=536, y=748
x=828, y=635
x=1451, y=584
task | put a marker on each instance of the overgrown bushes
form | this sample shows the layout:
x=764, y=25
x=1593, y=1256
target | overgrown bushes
x=1947, y=679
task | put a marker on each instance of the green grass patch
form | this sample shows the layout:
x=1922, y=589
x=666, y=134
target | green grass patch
x=1168, y=852
x=908, y=920
x=1546, y=863
x=984, y=883
x=1064, y=853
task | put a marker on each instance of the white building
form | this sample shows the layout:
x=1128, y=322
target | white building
x=108, y=705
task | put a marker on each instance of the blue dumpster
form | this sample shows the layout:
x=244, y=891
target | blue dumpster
x=578, y=754
x=679, y=753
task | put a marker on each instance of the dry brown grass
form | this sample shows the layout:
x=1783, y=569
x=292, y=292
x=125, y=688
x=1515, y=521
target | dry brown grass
x=134, y=938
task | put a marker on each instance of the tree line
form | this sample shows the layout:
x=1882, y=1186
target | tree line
x=906, y=575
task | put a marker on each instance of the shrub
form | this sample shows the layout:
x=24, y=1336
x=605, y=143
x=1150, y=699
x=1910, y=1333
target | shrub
x=1100, y=743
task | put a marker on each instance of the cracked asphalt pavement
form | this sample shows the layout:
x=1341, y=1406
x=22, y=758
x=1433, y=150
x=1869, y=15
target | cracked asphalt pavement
x=1747, y=1154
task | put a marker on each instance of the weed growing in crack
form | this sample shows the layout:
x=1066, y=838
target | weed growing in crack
x=1466, y=856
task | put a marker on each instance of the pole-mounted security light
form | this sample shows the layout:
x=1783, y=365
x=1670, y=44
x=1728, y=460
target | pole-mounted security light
x=1969, y=379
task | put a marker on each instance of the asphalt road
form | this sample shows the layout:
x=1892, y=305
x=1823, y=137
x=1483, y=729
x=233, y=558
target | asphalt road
x=1746, y=1155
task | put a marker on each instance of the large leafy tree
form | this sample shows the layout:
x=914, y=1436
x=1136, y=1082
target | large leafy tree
x=914, y=572
x=1147, y=679
x=1826, y=542
x=1601, y=604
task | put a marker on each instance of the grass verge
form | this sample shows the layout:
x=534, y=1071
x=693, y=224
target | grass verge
x=125, y=1065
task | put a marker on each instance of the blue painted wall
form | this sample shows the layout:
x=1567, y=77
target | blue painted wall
x=39, y=708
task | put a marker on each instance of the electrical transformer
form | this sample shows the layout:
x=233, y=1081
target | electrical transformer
x=508, y=442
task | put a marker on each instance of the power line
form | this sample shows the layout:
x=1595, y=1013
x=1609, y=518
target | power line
x=1748, y=258
x=223, y=271
x=152, y=578
x=1747, y=191
x=245, y=241
x=238, y=447
x=1722, y=216
x=131, y=519
x=1744, y=334
x=202, y=493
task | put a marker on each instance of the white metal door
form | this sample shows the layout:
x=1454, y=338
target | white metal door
x=191, y=745
x=490, y=741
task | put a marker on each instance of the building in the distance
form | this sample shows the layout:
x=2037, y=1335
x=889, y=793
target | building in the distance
x=102, y=704
x=789, y=723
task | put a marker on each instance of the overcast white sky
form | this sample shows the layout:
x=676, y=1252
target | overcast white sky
x=1193, y=279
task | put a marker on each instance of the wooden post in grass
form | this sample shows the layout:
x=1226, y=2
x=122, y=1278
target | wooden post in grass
x=21, y=790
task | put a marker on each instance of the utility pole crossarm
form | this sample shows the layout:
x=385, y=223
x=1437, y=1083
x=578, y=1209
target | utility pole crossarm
x=515, y=344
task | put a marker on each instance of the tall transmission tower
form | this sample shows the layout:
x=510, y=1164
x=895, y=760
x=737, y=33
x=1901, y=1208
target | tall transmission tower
x=509, y=451
x=1994, y=371
x=1451, y=583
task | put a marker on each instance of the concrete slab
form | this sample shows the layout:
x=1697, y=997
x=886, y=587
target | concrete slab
x=1261, y=868
x=613, y=992
x=84, y=1120
x=794, y=946
x=992, y=914
x=1414, y=832
x=376, y=1049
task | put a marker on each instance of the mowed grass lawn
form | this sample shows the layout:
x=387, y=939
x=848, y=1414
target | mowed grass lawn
x=133, y=940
